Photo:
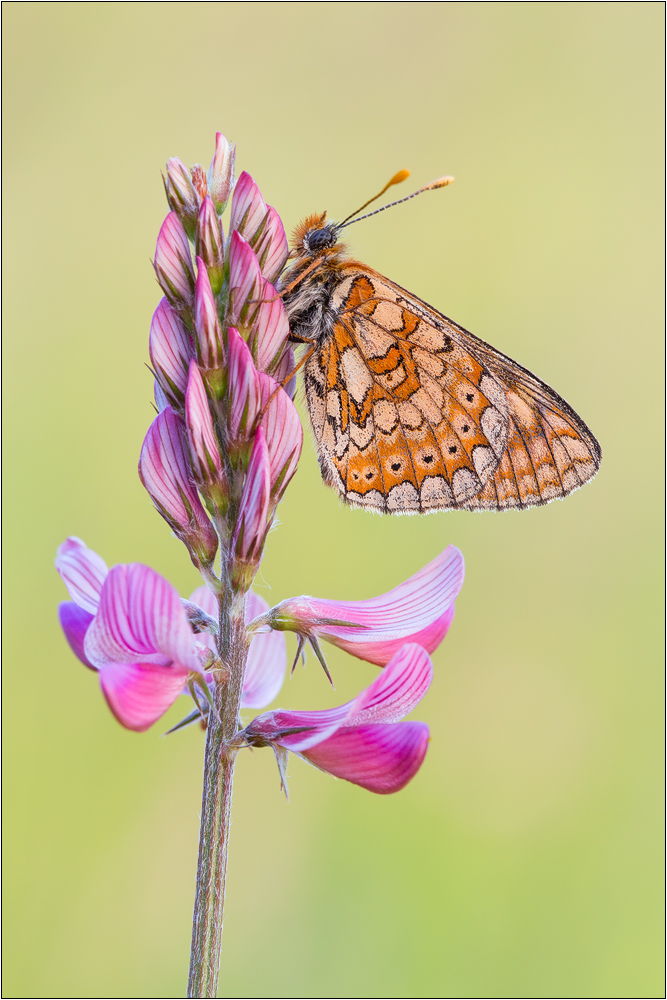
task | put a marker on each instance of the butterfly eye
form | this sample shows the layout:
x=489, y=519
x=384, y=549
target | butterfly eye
x=320, y=239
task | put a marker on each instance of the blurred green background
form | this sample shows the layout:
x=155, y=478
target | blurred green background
x=523, y=861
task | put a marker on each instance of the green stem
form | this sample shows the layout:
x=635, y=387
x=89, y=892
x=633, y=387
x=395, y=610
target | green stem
x=219, y=761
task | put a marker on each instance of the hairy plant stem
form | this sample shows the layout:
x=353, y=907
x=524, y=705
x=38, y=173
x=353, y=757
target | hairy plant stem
x=219, y=760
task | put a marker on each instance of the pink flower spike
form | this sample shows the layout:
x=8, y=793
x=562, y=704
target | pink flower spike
x=284, y=434
x=419, y=610
x=170, y=350
x=270, y=245
x=173, y=263
x=207, y=324
x=210, y=244
x=270, y=331
x=141, y=619
x=206, y=462
x=164, y=471
x=363, y=741
x=245, y=282
x=83, y=573
x=248, y=207
x=221, y=172
x=267, y=658
x=244, y=392
x=181, y=194
x=253, y=520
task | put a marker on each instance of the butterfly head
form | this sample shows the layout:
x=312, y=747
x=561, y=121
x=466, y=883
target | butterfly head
x=315, y=237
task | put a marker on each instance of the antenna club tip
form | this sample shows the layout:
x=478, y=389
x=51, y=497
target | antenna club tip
x=440, y=182
x=398, y=178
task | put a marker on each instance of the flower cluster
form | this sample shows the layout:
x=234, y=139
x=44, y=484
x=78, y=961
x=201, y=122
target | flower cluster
x=216, y=462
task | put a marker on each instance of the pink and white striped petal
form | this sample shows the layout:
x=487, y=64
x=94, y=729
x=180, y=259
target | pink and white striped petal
x=141, y=619
x=379, y=758
x=270, y=331
x=181, y=194
x=245, y=281
x=170, y=349
x=252, y=524
x=210, y=244
x=83, y=572
x=221, y=172
x=248, y=207
x=207, y=325
x=392, y=695
x=267, y=657
x=164, y=471
x=139, y=693
x=270, y=245
x=284, y=433
x=173, y=263
x=244, y=390
x=74, y=622
x=204, y=452
x=419, y=610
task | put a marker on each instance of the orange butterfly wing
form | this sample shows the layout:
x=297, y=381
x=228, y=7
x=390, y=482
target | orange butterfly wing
x=412, y=414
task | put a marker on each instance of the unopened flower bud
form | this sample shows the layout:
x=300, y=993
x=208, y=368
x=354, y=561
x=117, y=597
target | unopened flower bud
x=253, y=524
x=210, y=244
x=206, y=462
x=173, y=263
x=164, y=471
x=270, y=331
x=221, y=172
x=207, y=324
x=244, y=397
x=260, y=225
x=170, y=349
x=182, y=195
x=245, y=283
x=284, y=434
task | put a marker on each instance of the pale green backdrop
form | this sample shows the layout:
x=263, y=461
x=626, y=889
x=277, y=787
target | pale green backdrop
x=523, y=861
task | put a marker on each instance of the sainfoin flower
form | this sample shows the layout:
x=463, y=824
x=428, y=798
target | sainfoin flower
x=419, y=610
x=130, y=625
x=364, y=740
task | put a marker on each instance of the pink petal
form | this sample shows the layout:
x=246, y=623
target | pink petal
x=271, y=330
x=207, y=324
x=164, y=471
x=139, y=693
x=173, y=263
x=170, y=350
x=244, y=396
x=392, y=695
x=245, y=281
x=83, y=572
x=248, y=207
x=396, y=690
x=141, y=618
x=380, y=758
x=74, y=622
x=221, y=172
x=252, y=524
x=419, y=610
x=267, y=661
x=181, y=194
x=204, y=451
x=270, y=245
x=210, y=243
x=284, y=433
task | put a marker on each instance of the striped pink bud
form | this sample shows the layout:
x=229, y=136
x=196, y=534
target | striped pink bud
x=173, y=263
x=165, y=472
x=181, y=194
x=207, y=324
x=170, y=348
x=221, y=172
x=253, y=520
x=206, y=462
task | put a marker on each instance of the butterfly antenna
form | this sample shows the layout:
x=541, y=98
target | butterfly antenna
x=439, y=183
x=396, y=179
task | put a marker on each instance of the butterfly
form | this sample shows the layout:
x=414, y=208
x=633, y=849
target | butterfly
x=410, y=412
